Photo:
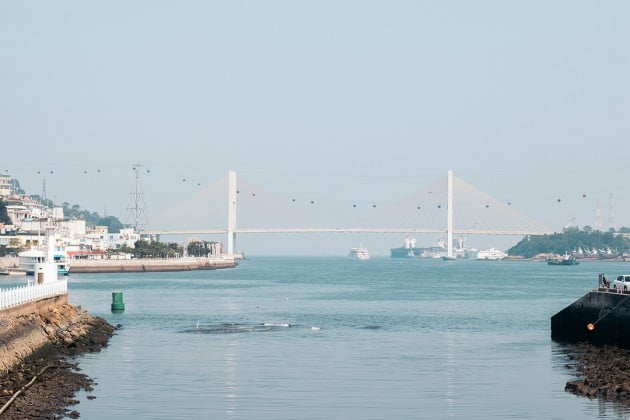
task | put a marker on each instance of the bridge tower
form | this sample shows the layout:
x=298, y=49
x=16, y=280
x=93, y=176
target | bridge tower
x=231, y=222
x=449, y=215
x=611, y=212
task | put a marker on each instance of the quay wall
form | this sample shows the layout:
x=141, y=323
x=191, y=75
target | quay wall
x=605, y=311
x=149, y=265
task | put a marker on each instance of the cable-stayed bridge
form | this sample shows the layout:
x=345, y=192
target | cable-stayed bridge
x=449, y=206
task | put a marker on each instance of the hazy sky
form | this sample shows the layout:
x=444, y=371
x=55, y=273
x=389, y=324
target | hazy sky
x=339, y=100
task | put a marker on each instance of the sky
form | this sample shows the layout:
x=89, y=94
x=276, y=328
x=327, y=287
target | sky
x=352, y=101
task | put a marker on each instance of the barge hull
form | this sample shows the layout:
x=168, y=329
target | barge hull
x=601, y=317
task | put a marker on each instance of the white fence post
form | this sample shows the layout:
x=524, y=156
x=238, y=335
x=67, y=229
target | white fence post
x=30, y=293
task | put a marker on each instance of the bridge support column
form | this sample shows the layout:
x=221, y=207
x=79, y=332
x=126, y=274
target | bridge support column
x=231, y=222
x=449, y=214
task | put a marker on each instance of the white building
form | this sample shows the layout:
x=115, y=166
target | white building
x=5, y=186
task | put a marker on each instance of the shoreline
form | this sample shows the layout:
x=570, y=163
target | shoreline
x=603, y=372
x=150, y=265
x=44, y=344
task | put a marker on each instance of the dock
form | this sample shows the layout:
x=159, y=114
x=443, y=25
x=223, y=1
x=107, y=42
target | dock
x=151, y=265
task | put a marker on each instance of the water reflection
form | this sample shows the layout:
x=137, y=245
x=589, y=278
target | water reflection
x=231, y=365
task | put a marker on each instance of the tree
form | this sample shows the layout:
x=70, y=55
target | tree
x=4, y=216
x=570, y=240
x=199, y=248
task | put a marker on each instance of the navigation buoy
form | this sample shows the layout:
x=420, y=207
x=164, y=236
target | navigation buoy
x=590, y=326
x=117, y=302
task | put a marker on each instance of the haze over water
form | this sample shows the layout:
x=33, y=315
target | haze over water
x=392, y=339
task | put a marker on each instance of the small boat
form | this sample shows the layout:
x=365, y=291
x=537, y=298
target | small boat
x=566, y=259
x=359, y=253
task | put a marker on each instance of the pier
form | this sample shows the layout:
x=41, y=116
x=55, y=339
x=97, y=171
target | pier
x=151, y=265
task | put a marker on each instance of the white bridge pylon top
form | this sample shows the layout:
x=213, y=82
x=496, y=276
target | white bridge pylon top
x=450, y=206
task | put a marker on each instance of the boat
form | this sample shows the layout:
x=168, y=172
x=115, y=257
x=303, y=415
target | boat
x=408, y=250
x=566, y=259
x=28, y=259
x=359, y=253
x=492, y=254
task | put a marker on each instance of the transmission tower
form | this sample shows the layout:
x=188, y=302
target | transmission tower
x=598, y=218
x=137, y=206
x=611, y=212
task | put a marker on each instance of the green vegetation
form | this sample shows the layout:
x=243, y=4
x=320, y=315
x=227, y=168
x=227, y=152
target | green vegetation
x=91, y=218
x=4, y=216
x=16, y=186
x=199, y=248
x=146, y=249
x=12, y=249
x=570, y=240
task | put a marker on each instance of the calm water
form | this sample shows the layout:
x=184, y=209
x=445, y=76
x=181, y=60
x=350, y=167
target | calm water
x=367, y=340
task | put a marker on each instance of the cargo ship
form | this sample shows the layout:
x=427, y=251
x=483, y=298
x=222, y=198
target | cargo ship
x=408, y=250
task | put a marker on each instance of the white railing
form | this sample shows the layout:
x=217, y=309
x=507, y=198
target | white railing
x=22, y=294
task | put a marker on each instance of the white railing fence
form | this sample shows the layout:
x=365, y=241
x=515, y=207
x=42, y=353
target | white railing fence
x=30, y=293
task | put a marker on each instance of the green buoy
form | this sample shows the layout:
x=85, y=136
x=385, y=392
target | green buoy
x=117, y=302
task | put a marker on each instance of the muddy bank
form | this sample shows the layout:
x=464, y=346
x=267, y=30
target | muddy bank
x=42, y=343
x=606, y=372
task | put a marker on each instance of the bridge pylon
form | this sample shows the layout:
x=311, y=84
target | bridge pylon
x=231, y=222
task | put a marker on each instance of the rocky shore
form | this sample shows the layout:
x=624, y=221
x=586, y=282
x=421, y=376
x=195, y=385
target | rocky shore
x=606, y=373
x=41, y=342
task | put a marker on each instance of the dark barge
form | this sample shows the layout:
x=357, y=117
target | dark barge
x=601, y=317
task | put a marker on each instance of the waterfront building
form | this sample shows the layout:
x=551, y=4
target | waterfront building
x=6, y=188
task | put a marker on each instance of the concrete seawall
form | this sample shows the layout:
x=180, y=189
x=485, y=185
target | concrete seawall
x=150, y=265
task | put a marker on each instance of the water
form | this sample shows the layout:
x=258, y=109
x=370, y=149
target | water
x=334, y=338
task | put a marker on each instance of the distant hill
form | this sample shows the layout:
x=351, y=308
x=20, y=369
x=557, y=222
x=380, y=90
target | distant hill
x=570, y=240
x=74, y=211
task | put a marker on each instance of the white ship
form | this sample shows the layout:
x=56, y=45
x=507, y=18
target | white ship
x=28, y=259
x=359, y=253
x=491, y=254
